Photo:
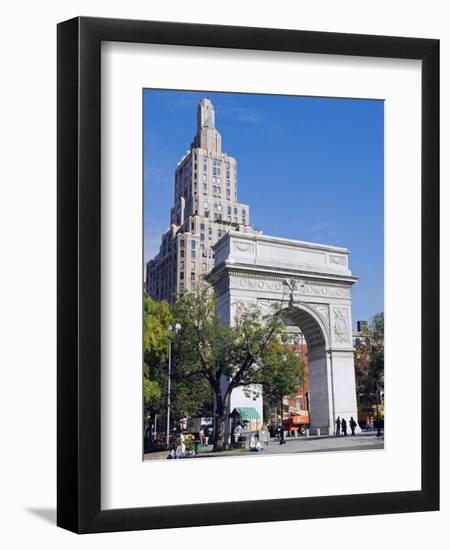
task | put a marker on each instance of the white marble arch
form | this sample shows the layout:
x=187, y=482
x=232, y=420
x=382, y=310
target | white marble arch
x=312, y=282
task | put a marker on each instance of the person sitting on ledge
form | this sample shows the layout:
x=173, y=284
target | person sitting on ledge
x=181, y=450
x=255, y=445
x=172, y=454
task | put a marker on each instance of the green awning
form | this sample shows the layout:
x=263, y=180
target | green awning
x=246, y=413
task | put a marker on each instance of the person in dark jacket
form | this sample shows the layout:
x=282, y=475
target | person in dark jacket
x=344, y=426
x=338, y=426
x=352, y=425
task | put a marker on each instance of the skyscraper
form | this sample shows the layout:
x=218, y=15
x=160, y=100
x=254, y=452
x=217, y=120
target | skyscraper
x=205, y=208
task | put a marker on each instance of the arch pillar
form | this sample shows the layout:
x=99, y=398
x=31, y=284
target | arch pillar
x=343, y=386
x=332, y=388
x=321, y=390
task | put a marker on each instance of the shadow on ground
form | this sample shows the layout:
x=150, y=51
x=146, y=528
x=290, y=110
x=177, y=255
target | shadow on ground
x=46, y=514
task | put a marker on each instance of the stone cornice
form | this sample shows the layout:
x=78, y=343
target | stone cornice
x=274, y=274
x=277, y=240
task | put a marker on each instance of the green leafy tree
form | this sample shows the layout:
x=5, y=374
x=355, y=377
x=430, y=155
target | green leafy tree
x=283, y=374
x=157, y=318
x=227, y=357
x=369, y=361
x=190, y=396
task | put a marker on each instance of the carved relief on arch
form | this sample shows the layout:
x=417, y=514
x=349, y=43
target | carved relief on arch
x=265, y=306
x=341, y=326
x=326, y=291
x=339, y=260
x=244, y=247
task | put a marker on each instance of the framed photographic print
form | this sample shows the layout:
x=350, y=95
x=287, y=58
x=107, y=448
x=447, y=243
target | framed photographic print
x=248, y=304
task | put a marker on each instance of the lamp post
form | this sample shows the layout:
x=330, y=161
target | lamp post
x=282, y=440
x=378, y=410
x=171, y=329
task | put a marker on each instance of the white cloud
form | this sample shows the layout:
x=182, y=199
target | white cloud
x=249, y=116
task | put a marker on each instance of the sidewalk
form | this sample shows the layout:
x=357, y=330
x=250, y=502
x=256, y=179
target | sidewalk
x=323, y=443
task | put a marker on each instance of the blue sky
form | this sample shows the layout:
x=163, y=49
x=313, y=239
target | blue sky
x=310, y=168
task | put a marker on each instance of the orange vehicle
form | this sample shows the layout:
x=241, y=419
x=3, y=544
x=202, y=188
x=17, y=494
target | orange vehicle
x=295, y=419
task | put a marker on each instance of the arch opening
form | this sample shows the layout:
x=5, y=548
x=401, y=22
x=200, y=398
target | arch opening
x=310, y=328
x=320, y=395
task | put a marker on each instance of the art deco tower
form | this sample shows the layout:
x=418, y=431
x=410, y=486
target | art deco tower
x=205, y=208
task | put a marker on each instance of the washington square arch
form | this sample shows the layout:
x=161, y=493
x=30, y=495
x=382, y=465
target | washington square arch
x=312, y=283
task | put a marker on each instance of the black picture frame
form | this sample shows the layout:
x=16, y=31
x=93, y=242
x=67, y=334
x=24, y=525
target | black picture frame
x=79, y=281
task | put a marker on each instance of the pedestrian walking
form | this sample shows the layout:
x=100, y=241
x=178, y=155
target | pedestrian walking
x=352, y=425
x=278, y=433
x=338, y=426
x=344, y=427
x=371, y=426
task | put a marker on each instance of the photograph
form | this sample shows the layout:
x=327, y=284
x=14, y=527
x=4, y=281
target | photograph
x=263, y=300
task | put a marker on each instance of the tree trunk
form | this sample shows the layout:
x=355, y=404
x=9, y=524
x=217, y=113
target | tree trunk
x=219, y=422
x=219, y=443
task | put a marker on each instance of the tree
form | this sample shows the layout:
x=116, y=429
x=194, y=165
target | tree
x=157, y=318
x=227, y=357
x=369, y=363
x=190, y=396
x=283, y=374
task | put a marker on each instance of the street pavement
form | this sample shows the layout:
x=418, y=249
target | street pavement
x=359, y=442
x=326, y=444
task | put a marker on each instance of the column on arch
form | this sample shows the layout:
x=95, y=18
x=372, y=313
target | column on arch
x=320, y=390
x=344, y=385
